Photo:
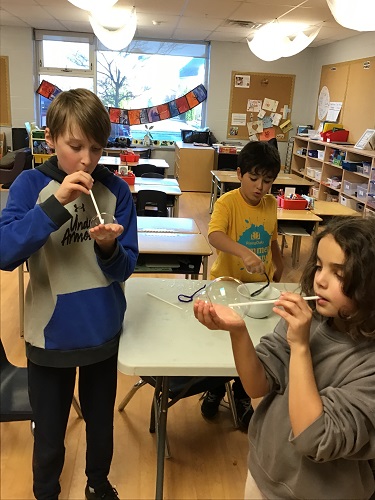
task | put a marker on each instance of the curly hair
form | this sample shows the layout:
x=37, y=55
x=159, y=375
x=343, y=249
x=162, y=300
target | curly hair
x=259, y=157
x=79, y=107
x=356, y=237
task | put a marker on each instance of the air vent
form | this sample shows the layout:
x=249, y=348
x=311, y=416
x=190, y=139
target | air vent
x=241, y=24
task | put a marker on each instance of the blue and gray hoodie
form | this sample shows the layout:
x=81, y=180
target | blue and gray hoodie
x=75, y=302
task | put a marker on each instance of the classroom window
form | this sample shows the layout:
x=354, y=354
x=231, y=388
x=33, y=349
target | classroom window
x=147, y=73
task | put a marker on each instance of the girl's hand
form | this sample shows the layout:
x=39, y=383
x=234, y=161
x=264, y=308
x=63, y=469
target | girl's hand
x=298, y=315
x=73, y=186
x=208, y=315
x=252, y=262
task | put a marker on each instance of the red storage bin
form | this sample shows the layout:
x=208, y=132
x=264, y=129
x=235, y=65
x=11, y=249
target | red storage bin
x=129, y=159
x=298, y=203
x=130, y=178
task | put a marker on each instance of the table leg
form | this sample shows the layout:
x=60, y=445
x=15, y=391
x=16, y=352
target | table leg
x=214, y=196
x=162, y=432
x=205, y=266
x=295, y=249
x=212, y=193
x=176, y=206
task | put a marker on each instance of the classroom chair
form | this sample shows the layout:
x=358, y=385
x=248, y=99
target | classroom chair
x=179, y=388
x=14, y=392
x=152, y=203
x=143, y=168
x=13, y=163
x=152, y=175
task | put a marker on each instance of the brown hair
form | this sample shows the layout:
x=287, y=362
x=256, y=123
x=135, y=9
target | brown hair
x=356, y=237
x=79, y=107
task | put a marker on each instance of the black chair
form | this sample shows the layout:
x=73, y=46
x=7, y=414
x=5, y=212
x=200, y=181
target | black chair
x=153, y=175
x=13, y=163
x=143, y=153
x=140, y=169
x=179, y=388
x=152, y=203
x=14, y=392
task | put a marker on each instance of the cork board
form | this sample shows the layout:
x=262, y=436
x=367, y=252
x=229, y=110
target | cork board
x=353, y=84
x=5, y=118
x=258, y=87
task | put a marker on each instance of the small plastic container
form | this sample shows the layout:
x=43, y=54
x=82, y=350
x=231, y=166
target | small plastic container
x=318, y=174
x=350, y=165
x=310, y=172
x=297, y=204
x=360, y=169
x=348, y=202
x=315, y=192
x=320, y=154
x=366, y=166
x=362, y=191
x=350, y=187
x=313, y=153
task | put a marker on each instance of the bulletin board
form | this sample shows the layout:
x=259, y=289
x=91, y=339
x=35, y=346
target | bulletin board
x=258, y=87
x=353, y=84
x=5, y=118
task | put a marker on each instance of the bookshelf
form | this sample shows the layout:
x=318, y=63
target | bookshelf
x=332, y=182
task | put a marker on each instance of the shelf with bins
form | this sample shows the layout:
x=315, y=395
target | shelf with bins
x=39, y=148
x=340, y=173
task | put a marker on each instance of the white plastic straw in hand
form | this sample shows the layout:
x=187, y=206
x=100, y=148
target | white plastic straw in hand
x=101, y=220
x=256, y=302
x=163, y=300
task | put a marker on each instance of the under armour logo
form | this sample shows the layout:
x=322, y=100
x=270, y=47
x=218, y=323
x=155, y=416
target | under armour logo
x=77, y=207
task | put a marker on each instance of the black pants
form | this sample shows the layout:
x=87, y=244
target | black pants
x=219, y=389
x=51, y=393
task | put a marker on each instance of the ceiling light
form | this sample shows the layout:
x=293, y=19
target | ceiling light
x=276, y=40
x=115, y=28
x=93, y=4
x=358, y=15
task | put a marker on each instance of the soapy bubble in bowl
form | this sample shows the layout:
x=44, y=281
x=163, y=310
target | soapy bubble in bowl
x=258, y=310
x=220, y=293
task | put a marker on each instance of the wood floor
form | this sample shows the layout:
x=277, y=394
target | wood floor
x=208, y=458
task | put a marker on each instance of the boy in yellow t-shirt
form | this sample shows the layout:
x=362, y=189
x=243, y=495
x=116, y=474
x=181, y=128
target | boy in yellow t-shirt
x=243, y=229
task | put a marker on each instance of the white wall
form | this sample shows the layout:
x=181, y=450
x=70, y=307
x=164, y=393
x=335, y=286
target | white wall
x=226, y=57
x=17, y=44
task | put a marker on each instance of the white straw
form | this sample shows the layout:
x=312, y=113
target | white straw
x=256, y=302
x=101, y=220
x=163, y=300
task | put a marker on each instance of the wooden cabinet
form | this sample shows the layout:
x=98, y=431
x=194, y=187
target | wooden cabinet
x=353, y=188
x=193, y=165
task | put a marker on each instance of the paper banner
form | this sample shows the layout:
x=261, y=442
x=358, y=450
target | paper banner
x=144, y=115
x=48, y=90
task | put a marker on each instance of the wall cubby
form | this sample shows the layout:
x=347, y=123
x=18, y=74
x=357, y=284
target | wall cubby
x=322, y=163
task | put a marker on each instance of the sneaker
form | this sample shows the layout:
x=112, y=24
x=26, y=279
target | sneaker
x=104, y=492
x=210, y=405
x=244, y=412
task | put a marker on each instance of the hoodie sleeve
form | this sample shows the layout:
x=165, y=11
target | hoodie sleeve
x=25, y=225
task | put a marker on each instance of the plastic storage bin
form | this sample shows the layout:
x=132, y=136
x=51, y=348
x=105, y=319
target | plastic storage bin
x=362, y=191
x=320, y=154
x=318, y=174
x=348, y=202
x=310, y=172
x=350, y=187
x=297, y=204
x=366, y=166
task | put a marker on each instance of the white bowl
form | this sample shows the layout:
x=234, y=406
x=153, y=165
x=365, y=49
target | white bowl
x=259, y=310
